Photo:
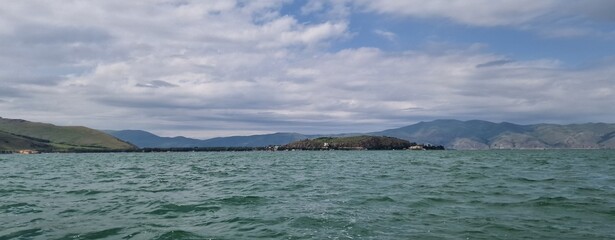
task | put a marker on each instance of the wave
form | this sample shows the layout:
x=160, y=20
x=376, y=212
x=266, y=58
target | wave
x=548, y=201
x=107, y=233
x=23, y=234
x=380, y=199
x=180, y=234
x=86, y=192
x=524, y=179
x=242, y=200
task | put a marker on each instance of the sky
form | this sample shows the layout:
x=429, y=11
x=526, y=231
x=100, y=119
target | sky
x=231, y=67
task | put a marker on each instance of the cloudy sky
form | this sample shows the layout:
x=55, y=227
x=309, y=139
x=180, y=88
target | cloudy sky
x=225, y=67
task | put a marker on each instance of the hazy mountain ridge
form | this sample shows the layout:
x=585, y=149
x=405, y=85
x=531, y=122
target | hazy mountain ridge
x=145, y=139
x=17, y=134
x=256, y=140
x=453, y=134
x=476, y=134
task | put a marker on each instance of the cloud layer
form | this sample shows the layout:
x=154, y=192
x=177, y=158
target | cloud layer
x=212, y=68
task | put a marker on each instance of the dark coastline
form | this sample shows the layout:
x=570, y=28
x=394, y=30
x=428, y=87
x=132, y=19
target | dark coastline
x=212, y=149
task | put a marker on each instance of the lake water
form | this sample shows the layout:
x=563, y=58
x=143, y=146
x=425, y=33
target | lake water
x=565, y=194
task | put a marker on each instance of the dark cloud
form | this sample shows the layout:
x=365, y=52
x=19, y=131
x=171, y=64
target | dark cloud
x=238, y=100
x=46, y=53
x=494, y=63
x=156, y=84
x=12, y=92
x=35, y=77
x=145, y=103
x=597, y=9
x=51, y=44
x=59, y=35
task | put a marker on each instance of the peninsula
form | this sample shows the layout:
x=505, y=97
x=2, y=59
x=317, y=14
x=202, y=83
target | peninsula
x=357, y=143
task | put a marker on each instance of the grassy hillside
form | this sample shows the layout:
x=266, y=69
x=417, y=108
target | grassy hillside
x=9, y=143
x=20, y=134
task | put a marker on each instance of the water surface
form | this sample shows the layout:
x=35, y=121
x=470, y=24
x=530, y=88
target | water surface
x=565, y=194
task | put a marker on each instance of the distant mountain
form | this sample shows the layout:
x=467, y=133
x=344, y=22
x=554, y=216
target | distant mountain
x=476, y=134
x=255, y=140
x=145, y=139
x=17, y=134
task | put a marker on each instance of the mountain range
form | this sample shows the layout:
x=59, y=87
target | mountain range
x=145, y=139
x=18, y=134
x=476, y=134
x=453, y=134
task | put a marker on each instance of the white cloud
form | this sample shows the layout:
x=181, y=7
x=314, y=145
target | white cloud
x=313, y=6
x=391, y=36
x=471, y=12
x=331, y=9
x=206, y=68
x=550, y=18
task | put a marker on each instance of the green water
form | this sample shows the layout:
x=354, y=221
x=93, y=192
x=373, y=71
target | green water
x=310, y=195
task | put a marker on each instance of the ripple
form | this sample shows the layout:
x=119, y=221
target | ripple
x=103, y=209
x=440, y=200
x=85, y=192
x=138, y=169
x=322, y=223
x=548, y=201
x=379, y=199
x=505, y=228
x=310, y=222
x=146, y=189
x=198, y=169
x=175, y=208
x=523, y=179
x=20, y=208
x=242, y=200
x=22, y=190
x=589, y=189
x=69, y=211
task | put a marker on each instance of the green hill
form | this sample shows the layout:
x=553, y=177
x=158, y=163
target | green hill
x=16, y=134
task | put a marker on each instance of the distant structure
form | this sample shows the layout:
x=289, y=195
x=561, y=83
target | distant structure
x=416, y=147
x=28, y=151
